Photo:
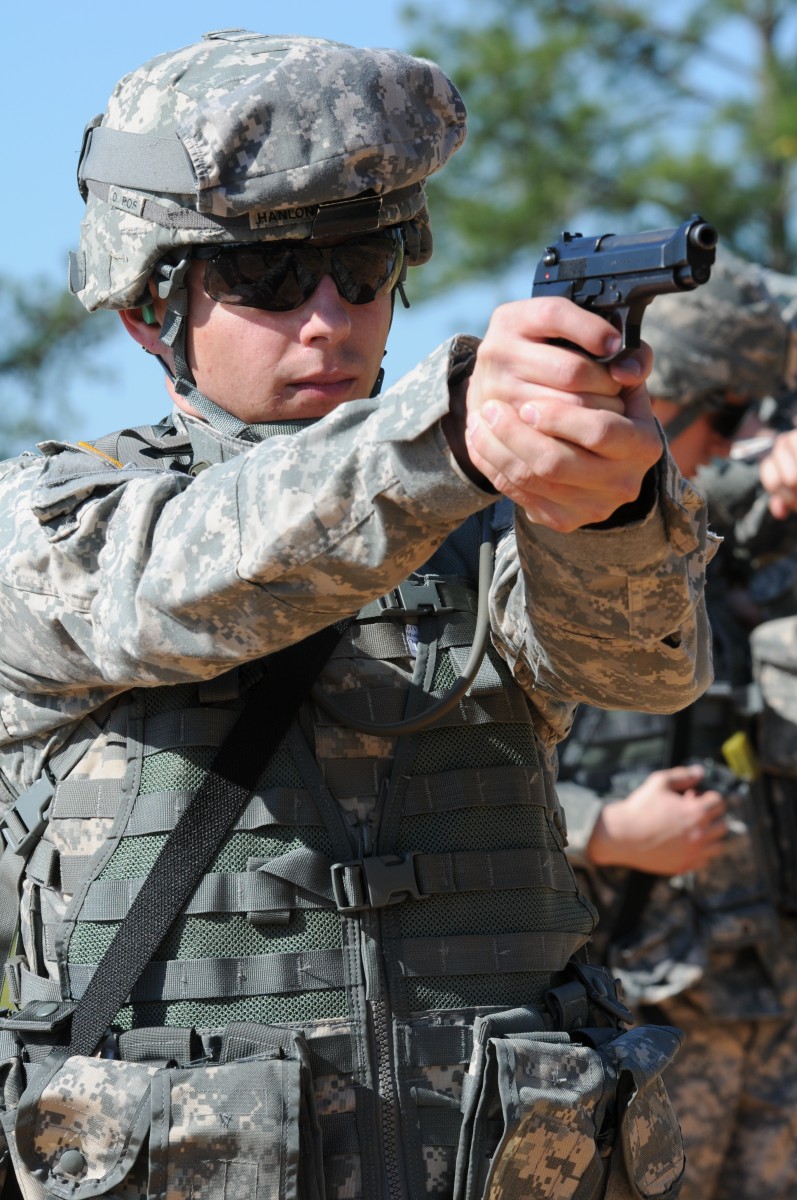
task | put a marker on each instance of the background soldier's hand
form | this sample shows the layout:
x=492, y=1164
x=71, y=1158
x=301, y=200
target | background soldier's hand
x=778, y=473
x=567, y=438
x=665, y=827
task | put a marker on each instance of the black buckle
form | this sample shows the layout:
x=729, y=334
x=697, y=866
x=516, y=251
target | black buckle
x=602, y=990
x=384, y=880
x=39, y=1016
x=24, y=824
x=411, y=599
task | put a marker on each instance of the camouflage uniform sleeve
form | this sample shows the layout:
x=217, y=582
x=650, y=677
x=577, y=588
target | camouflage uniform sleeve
x=582, y=808
x=138, y=576
x=612, y=617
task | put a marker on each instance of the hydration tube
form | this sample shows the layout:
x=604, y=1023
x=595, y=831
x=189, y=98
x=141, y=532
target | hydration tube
x=459, y=687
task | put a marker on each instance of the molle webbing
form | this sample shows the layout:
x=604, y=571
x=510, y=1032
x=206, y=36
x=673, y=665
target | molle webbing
x=264, y=912
x=468, y=806
x=364, y=882
x=220, y=945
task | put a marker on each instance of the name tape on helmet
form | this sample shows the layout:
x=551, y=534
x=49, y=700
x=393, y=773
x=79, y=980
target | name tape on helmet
x=267, y=218
x=128, y=202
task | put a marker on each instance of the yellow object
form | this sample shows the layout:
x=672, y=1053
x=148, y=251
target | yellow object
x=740, y=756
x=101, y=453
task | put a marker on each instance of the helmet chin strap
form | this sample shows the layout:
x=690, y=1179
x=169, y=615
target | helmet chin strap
x=380, y=379
x=173, y=289
x=380, y=375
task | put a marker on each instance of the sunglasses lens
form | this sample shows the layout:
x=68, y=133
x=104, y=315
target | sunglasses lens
x=275, y=276
x=280, y=276
x=367, y=268
x=728, y=419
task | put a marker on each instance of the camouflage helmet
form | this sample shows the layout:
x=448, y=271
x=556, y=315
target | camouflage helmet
x=728, y=335
x=783, y=288
x=245, y=137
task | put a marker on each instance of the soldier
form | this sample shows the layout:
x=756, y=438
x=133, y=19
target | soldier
x=273, y=944
x=680, y=859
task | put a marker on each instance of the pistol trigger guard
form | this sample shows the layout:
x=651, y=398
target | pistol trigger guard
x=627, y=320
x=618, y=318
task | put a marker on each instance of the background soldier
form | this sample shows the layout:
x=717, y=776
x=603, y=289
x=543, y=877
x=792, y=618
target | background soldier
x=676, y=850
x=272, y=963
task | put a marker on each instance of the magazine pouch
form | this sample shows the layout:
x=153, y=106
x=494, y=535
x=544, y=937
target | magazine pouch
x=211, y=1130
x=568, y=1116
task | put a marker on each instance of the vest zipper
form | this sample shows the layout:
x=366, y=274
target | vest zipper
x=388, y=1100
x=381, y=1025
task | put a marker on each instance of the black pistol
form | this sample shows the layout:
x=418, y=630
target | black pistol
x=619, y=275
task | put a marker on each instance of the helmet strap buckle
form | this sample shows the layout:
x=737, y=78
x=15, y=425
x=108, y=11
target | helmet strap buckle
x=172, y=277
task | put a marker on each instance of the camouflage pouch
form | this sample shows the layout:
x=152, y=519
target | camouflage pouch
x=570, y=1116
x=208, y=1131
x=11, y=1084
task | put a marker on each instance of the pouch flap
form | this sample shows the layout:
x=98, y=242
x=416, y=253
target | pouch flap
x=649, y=1131
x=553, y=1097
x=645, y=1051
x=82, y=1122
x=238, y=1123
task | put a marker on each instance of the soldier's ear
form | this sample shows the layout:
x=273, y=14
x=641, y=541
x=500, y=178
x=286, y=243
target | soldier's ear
x=143, y=326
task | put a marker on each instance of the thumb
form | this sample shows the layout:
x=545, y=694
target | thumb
x=682, y=778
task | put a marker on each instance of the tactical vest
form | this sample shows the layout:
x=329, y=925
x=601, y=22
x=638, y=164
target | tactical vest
x=708, y=930
x=385, y=912
x=774, y=653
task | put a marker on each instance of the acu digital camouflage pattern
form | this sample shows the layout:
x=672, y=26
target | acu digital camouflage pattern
x=370, y=491
x=160, y=578
x=93, y=1127
x=774, y=651
x=734, y=1088
x=118, y=578
x=266, y=129
x=573, y=1116
x=734, y=1085
x=574, y=625
x=728, y=335
x=714, y=952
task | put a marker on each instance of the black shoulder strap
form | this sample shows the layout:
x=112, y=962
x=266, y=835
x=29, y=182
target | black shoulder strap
x=640, y=884
x=198, y=835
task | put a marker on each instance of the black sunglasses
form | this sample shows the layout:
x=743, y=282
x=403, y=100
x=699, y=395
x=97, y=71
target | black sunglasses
x=280, y=276
x=726, y=420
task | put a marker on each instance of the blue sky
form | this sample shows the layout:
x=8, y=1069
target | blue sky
x=60, y=65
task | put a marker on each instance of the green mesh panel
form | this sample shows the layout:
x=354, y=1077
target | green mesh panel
x=226, y=935
x=474, y=746
x=521, y=911
x=230, y=936
x=175, y=769
x=186, y=768
x=173, y=698
x=222, y=937
x=465, y=991
x=135, y=856
x=281, y=770
x=90, y=941
x=446, y=672
x=240, y=847
x=485, y=828
x=209, y=1014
